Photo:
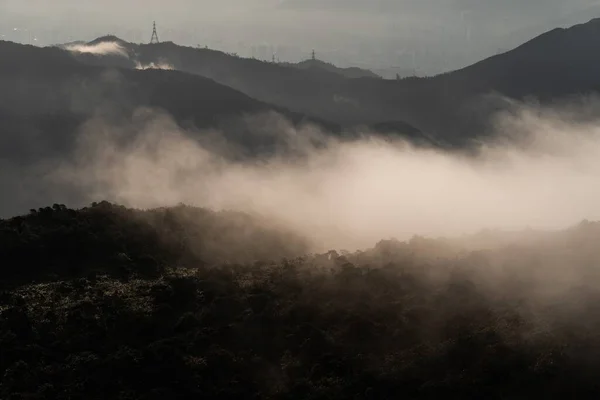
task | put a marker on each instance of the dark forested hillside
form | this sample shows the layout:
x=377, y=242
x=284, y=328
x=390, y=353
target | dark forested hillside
x=108, y=302
x=105, y=238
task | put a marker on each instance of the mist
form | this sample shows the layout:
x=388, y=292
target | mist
x=541, y=174
x=160, y=65
x=99, y=49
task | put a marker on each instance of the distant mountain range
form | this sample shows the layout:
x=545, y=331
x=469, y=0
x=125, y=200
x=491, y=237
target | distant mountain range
x=454, y=107
x=42, y=82
x=46, y=94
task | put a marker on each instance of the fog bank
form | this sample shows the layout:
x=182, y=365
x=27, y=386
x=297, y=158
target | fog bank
x=351, y=194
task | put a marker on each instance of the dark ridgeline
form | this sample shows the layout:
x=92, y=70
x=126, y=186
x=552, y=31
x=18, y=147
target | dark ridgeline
x=40, y=87
x=47, y=95
x=319, y=66
x=452, y=107
x=36, y=82
x=41, y=84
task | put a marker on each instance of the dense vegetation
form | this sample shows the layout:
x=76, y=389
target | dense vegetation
x=109, y=302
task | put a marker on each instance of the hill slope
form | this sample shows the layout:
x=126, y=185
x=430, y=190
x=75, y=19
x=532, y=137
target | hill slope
x=45, y=80
x=559, y=62
x=134, y=311
x=456, y=106
x=48, y=99
x=317, y=92
x=47, y=94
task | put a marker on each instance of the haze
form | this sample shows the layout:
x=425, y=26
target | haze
x=421, y=37
x=350, y=195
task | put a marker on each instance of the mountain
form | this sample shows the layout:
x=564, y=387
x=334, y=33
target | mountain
x=48, y=99
x=312, y=88
x=211, y=87
x=455, y=108
x=557, y=63
x=571, y=17
x=317, y=92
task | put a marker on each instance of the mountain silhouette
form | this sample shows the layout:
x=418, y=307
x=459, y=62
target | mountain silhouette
x=454, y=107
x=556, y=63
x=189, y=97
x=37, y=83
x=457, y=106
x=48, y=98
x=317, y=91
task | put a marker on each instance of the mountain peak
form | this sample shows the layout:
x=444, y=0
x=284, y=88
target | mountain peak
x=107, y=38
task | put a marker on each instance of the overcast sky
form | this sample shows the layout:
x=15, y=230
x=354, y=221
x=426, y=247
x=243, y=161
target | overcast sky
x=429, y=35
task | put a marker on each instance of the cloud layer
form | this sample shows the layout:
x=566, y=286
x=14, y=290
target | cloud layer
x=99, y=49
x=352, y=194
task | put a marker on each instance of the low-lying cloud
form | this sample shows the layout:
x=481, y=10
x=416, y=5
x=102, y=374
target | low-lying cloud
x=99, y=49
x=350, y=194
x=160, y=65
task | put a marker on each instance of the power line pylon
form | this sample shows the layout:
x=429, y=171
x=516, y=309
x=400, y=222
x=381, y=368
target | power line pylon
x=154, y=38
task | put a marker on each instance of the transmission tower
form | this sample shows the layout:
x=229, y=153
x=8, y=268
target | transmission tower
x=313, y=55
x=154, y=38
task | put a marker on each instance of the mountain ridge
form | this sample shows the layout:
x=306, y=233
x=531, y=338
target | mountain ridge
x=454, y=107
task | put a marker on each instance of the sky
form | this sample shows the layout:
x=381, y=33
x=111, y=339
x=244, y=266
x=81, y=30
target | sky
x=419, y=36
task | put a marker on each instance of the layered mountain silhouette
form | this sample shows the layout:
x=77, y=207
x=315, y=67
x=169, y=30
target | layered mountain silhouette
x=47, y=90
x=46, y=94
x=48, y=98
x=454, y=107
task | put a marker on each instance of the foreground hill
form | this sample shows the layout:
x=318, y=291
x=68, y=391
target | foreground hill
x=107, y=302
x=452, y=107
x=110, y=239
